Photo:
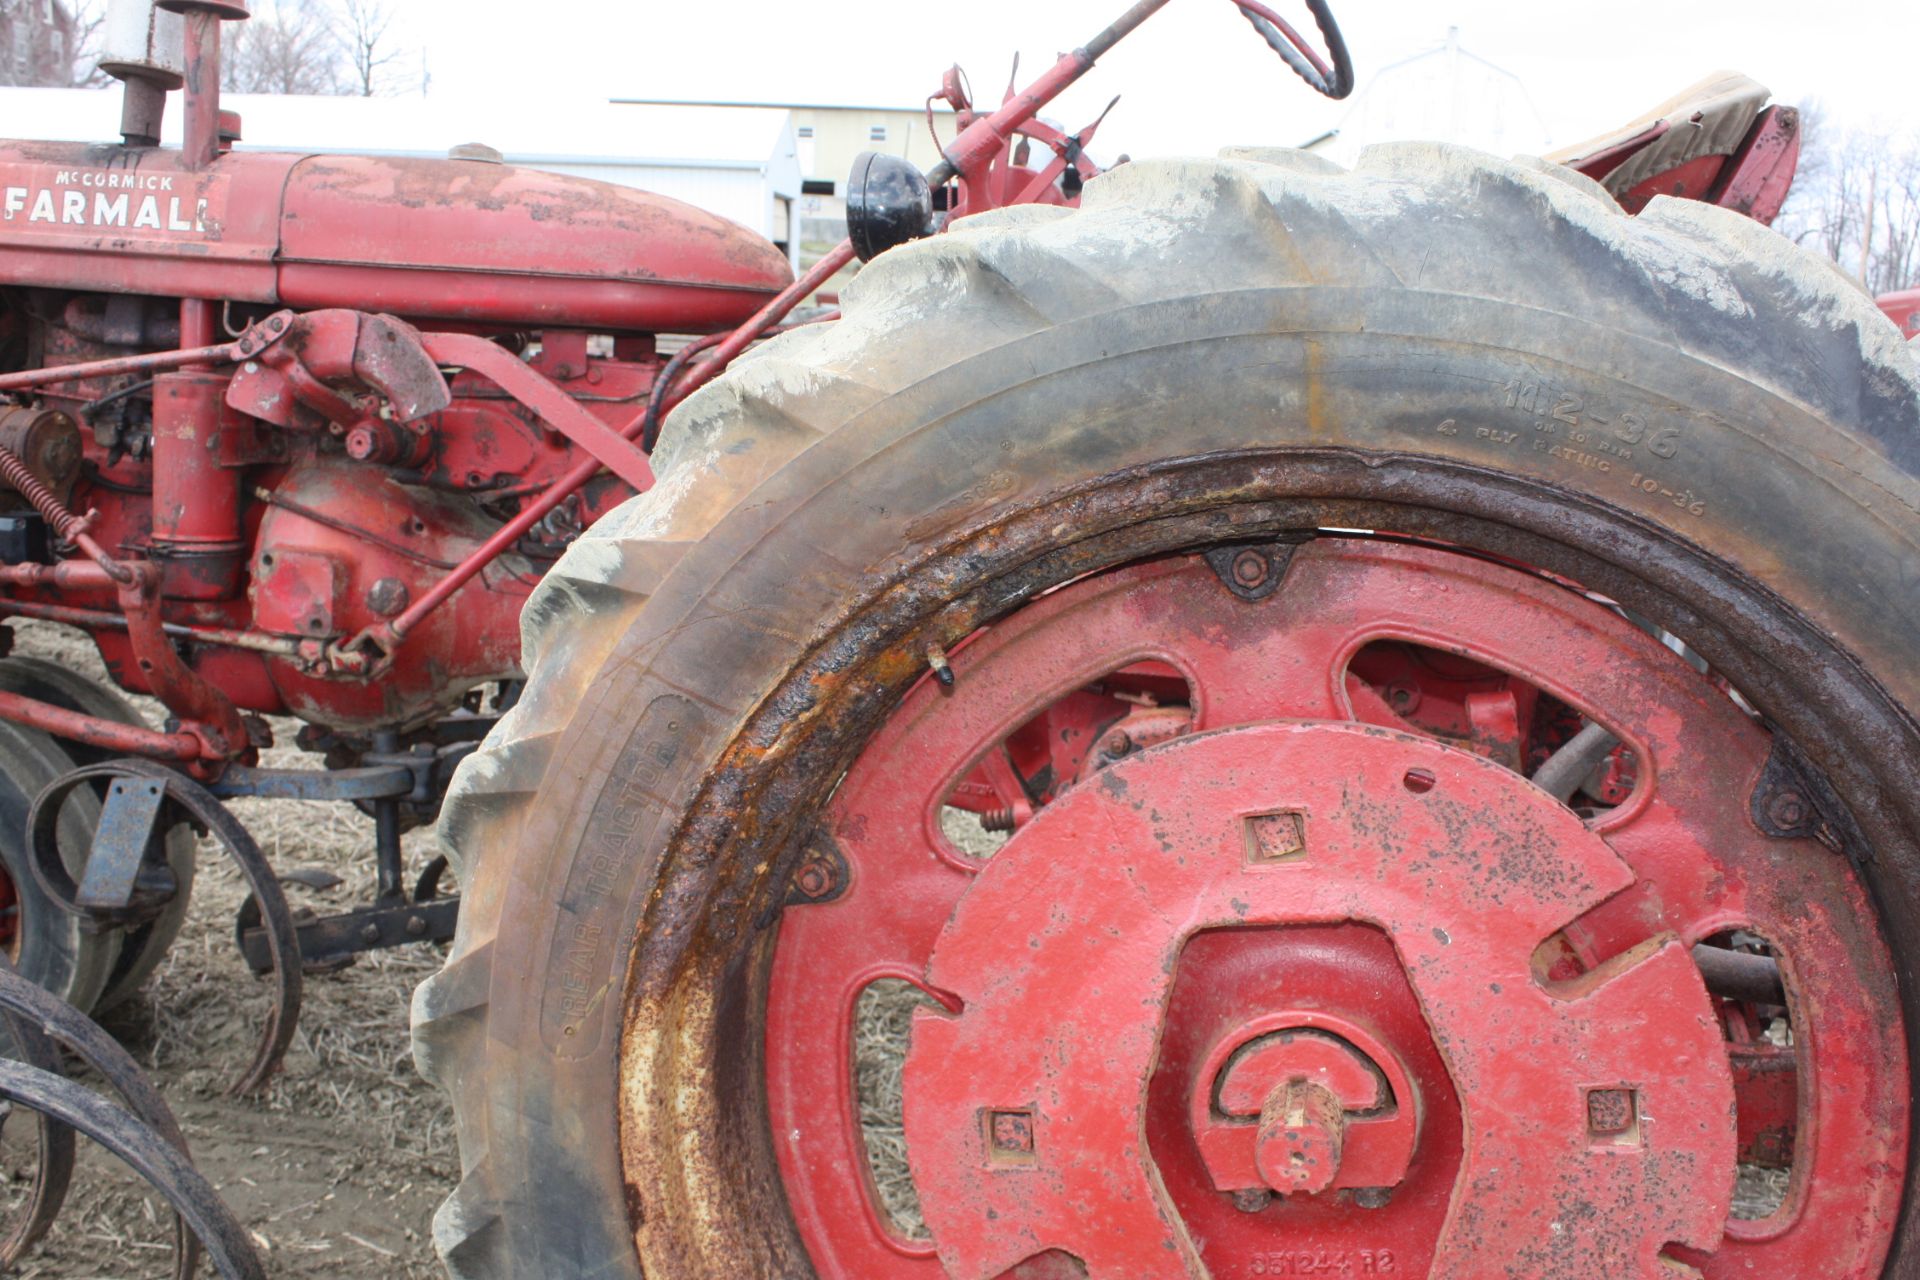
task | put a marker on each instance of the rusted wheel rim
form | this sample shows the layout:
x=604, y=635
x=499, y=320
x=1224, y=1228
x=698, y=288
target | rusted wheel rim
x=880, y=888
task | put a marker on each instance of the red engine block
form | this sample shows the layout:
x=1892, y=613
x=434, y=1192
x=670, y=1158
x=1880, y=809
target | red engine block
x=277, y=541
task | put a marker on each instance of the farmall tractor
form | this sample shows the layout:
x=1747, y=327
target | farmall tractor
x=1228, y=717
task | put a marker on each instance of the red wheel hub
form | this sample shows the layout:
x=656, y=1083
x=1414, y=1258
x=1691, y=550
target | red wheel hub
x=1256, y=988
x=1064, y=954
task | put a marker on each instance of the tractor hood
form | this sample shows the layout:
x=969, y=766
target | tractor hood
x=462, y=241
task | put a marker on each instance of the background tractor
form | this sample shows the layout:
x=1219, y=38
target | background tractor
x=1226, y=717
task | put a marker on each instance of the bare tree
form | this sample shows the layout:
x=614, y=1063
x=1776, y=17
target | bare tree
x=1896, y=247
x=1856, y=198
x=288, y=46
x=89, y=18
x=365, y=29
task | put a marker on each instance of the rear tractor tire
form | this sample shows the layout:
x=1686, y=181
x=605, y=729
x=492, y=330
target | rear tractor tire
x=1245, y=543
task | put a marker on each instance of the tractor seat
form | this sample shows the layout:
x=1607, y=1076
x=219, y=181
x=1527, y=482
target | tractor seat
x=1711, y=118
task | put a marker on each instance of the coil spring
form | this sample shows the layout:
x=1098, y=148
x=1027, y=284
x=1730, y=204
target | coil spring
x=18, y=476
x=997, y=820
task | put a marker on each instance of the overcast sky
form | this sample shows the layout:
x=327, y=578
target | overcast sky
x=1195, y=77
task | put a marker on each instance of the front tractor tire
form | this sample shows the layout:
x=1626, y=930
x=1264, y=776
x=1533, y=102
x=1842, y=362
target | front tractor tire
x=1352, y=502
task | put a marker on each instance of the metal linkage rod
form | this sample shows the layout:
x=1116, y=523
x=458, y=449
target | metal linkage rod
x=154, y=362
x=101, y=620
x=749, y=333
x=97, y=731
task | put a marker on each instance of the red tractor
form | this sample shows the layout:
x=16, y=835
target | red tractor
x=1228, y=717
x=1904, y=310
x=259, y=499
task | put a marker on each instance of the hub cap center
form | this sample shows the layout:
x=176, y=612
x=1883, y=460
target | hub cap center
x=1303, y=1102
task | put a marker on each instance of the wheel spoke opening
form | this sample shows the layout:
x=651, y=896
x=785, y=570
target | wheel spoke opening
x=882, y=1025
x=1074, y=737
x=1742, y=974
x=1470, y=703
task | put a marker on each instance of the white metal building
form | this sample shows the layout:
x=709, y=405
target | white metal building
x=741, y=164
x=1445, y=93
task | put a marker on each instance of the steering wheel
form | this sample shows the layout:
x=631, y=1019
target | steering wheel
x=1335, y=81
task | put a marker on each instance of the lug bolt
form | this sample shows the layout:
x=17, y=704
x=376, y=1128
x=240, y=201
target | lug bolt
x=387, y=597
x=1010, y=1134
x=1252, y=1199
x=1372, y=1197
x=814, y=879
x=1250, y=569
x=1116, y=743
x=1787, y=809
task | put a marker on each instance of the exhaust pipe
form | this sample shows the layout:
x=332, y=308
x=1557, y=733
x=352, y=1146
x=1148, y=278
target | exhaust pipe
x=201, y=146
x=144, y=47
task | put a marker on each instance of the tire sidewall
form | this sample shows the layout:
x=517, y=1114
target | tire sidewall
x=141, y=948
x=51, y=948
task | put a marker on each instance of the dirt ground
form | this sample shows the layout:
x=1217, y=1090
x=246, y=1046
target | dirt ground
x=337, y=1167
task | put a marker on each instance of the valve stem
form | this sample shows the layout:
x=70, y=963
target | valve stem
x=942, y=670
